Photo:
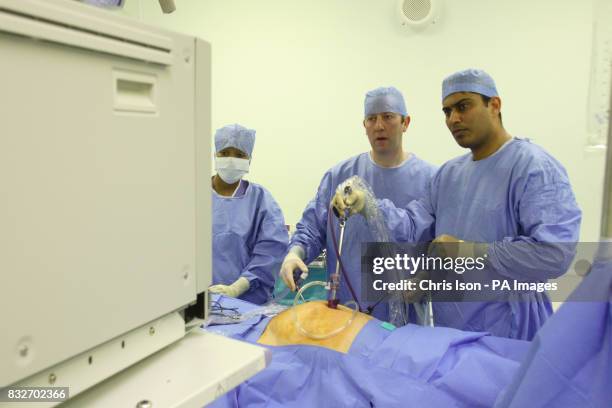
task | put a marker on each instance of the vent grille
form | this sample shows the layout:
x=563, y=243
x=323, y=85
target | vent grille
x=416, y=10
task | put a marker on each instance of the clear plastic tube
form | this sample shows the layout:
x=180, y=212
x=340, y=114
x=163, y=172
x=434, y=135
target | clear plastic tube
x=326, y=335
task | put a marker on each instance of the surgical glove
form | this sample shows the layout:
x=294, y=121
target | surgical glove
x=234, y=290
x=348, y=196
x=293, y=261
x=450, y=246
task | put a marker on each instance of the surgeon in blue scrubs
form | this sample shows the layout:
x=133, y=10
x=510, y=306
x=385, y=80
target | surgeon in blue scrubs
x=394, y=173
x=507, y=200
x=249, y=233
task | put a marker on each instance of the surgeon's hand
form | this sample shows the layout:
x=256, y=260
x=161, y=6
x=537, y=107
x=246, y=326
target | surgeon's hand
x=349, y=197
x=445, y=246
x=234, y=290
x=293, y=261
x=453, y=247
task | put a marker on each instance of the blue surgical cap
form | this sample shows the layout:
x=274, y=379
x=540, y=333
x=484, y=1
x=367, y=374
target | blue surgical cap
x=384, y=100
x=469, y=80
x=235, y=136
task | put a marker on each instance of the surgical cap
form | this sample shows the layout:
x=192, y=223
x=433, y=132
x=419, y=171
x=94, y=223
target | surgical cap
x=384, y=100
x=235, y=136
x=469, y=80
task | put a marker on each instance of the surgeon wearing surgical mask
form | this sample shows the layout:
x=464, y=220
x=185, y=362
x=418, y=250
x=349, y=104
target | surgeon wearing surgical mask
x=249, y=234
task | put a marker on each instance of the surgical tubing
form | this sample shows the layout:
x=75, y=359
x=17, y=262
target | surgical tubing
x=334, y=279
x=339, y=259
x=371, y=307
x=319, y=336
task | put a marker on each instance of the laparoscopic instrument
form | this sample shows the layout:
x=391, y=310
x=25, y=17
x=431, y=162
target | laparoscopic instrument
x=333, y=284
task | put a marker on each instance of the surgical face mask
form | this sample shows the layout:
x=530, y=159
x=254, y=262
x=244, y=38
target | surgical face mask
x=231, y=169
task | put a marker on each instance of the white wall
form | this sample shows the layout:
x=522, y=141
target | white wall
x=297, y=72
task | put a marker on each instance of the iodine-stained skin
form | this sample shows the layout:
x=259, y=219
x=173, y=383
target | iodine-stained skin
x=317, y=319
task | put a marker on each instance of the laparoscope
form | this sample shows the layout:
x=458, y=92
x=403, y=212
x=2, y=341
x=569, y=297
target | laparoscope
x=333, y=284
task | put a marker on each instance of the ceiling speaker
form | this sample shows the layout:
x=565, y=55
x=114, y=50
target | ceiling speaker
x=418, y=13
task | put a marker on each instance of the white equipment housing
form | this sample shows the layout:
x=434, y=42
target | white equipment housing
x=105, y=205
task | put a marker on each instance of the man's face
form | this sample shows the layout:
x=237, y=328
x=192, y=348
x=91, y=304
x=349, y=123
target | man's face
x=467, y=117
x=232, y=152
x=385, y=131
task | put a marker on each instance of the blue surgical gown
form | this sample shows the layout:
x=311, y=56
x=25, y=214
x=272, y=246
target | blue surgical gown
x=249, y=240
x=570, y=360
x=401, y=185
x=516, y=200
